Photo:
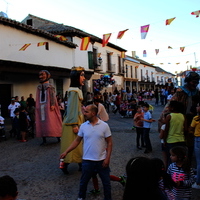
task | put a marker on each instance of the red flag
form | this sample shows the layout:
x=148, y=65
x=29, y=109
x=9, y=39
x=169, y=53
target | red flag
x=168, y=21
x=61, y=38
x=25, y=47
x=121, y=34
x=144, y=31
x=84, y=43
x=182, y=48
x=106, y=38
x=197, y=13
x=42, y=44
x=157, y=51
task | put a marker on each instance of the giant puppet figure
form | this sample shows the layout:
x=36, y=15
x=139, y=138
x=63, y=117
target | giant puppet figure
x=74, y=118
x=48, y=117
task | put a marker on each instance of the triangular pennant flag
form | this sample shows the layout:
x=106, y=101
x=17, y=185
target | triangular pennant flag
x=106, y=38
x=157, y=51
x=25, y=47
x=161, y=63
x=84, y=43
x=136, y=66
x=42, y=44
x=123, y=54
x=169, y=47
x=121, y=34
x=177, y=63
x=111, y=53
x=144, y=31
x=144, y=53
x=168, y=21
x=197, y=13
x=61, y=38
x=182, y=48
x=187, y=62
x=99, y=55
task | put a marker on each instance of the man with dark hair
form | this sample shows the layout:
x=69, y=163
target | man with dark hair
x=97, y=149
x=8, y=188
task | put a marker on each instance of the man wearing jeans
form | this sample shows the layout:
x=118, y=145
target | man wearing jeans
x=97, y=148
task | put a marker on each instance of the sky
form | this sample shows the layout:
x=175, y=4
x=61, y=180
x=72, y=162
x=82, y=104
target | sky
x=102, y=17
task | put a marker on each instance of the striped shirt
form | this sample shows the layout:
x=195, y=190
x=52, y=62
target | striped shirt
x=186, y=181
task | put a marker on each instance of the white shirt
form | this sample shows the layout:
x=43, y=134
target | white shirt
x=94, y=143
x=12, y=108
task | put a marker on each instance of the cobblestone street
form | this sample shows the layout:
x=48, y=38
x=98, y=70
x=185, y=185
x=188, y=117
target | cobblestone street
x=36, y=168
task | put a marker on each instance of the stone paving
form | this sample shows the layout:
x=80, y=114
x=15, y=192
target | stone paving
x=36, y=168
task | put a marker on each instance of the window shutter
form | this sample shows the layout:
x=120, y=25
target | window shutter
x=90, y=60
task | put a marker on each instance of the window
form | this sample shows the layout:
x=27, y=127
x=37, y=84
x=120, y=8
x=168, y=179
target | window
x=109, y=62
x=135, y=72
x=29, y=22
x=119, y=65
x=131, y=71
x=95, y=57
x=90, y=60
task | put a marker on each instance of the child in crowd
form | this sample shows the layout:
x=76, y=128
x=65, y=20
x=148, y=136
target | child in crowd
x=195, y=129
x=181, y=173
x=174, y=130
x=8, y=188
x=147, y=120
x=143, y=179
x=161, y=136
x=15, y=125
x=138, y=123
x=23, y=123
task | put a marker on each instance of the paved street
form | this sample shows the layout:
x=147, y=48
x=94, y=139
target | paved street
x=36, y=168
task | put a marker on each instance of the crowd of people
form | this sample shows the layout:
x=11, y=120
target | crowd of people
x=171, y=178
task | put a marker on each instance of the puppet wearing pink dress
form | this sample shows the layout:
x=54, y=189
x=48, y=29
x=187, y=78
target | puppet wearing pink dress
x=48, y=117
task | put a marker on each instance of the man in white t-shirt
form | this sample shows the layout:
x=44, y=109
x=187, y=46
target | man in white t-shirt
x=97, y=148
x=13, y=105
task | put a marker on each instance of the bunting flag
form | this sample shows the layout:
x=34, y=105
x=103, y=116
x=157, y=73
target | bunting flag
x=168, y=21
x=106, y=38
x=84, y=43
x=187, y=62
x=144, y=31
x=197, y=13
x=42, y=44
x=182, y=48
x=177, y=63
x=136, y=66
x=161, y=63
x=121, y=34
x=99, y=55
x=169, y=47
x=144, y=53
x=157, y=51
x=25, y=47
x=61, y=38
x=123, y=54
x=111, y=53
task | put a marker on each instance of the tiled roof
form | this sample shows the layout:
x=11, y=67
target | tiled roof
x=61, y=29
x=30, y=29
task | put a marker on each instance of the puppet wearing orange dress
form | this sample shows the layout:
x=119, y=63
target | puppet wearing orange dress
x=47, y=112
x=74, y=117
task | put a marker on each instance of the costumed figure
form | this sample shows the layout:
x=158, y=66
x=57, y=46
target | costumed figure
x=74, y=117
x=47, y=112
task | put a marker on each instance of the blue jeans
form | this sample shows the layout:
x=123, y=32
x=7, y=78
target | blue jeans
x=197, y=155
x=88, y=170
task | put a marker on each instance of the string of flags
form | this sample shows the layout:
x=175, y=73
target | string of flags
x=25, y=46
